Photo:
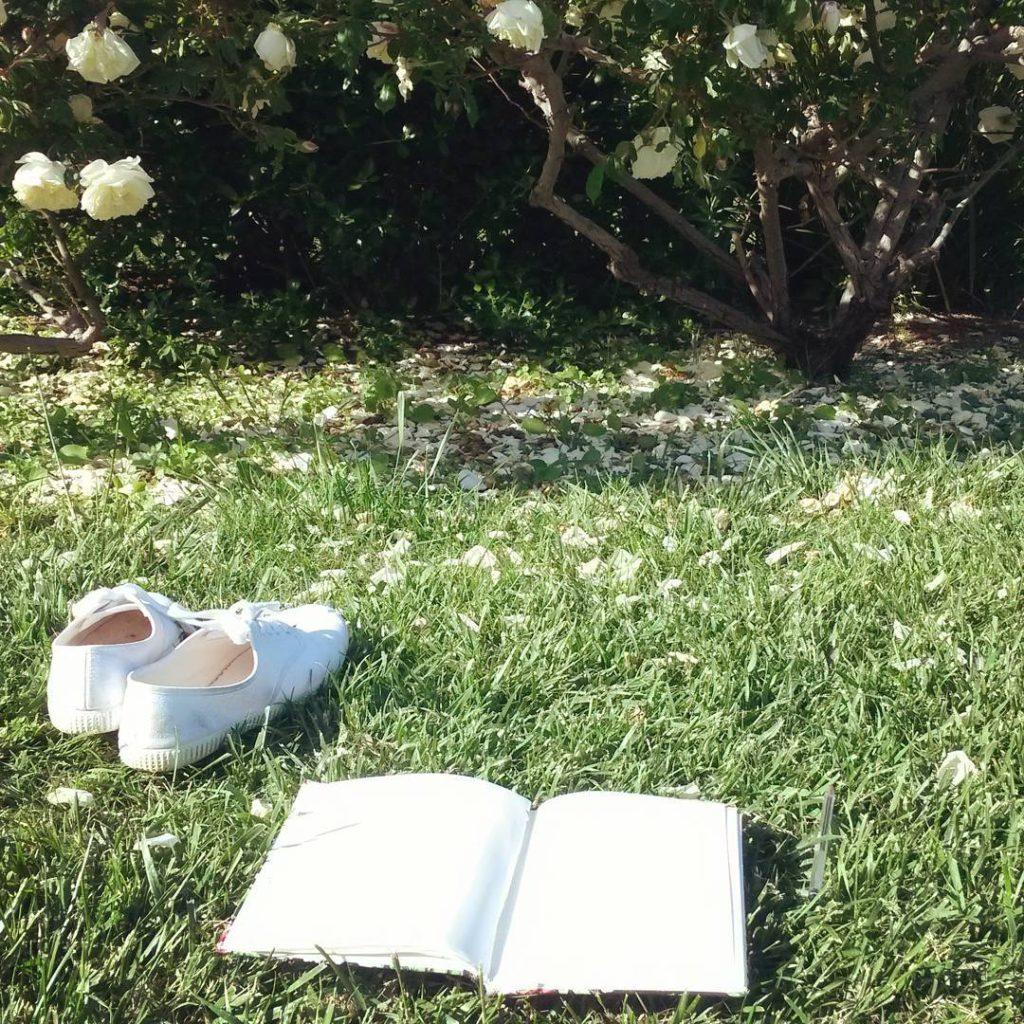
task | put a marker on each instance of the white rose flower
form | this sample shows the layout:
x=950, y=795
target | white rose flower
x=611, y=11
x=656, y=153
x=275, y=49
x=81, y=108
x=378, y=48
x=100, y=55
x=831, y=17
x=997, y=124
x=118, y=20
x=574, y=16
x=3, y=14
x=518, y=23
x=39, y=184
x=114, y=190
x=864, y=57
x=403, y=72
x=742, y=46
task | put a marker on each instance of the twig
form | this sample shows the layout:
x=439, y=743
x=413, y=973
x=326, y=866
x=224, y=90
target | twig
x=98, y=321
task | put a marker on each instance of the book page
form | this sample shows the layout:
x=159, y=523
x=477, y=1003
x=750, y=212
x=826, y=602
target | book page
x=619, y=892
x=413, y=867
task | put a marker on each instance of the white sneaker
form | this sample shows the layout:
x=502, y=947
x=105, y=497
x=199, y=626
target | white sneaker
x=237, y=669
x=112, y=631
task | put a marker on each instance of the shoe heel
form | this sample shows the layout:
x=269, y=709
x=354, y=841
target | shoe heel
x=79, y=722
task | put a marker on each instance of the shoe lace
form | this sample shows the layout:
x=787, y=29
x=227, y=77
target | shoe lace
x=129, y=593
x=241, y=621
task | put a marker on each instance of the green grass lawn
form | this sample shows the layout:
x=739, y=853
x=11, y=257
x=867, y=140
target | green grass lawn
x=654, y=648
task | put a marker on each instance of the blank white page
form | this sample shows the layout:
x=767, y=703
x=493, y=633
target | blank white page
x=618, y=892
x=409, y=866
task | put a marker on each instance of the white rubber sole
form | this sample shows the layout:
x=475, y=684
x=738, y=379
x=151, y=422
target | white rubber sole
x=169, y=759
x=81, y=722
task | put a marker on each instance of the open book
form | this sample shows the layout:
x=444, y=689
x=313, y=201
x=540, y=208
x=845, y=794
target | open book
x=591, y=892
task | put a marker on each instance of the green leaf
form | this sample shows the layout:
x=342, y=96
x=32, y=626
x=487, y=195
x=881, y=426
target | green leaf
x=595, y=182
x=422, y=413
x=74, y=453
x=532, y=425
x=387, y=94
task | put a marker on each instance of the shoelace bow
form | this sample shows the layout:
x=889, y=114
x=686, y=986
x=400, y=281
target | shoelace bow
x=238, y=623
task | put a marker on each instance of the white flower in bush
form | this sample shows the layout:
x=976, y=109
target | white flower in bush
x=518, y=23
x=100, y=55
x=114, y=190
x=655, y=60
x=656, y=153
x=275, y=49
x=742, y=46
x=403, y=72
x=997, y=124
x=81, y=108
x=784, y=53
x=831, y=17
x=39, y=184
x=378, y=48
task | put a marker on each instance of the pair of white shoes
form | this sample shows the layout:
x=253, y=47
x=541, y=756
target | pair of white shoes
x=175, y=683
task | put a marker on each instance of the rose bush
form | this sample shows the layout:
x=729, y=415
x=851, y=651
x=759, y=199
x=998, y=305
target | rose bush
x=814, y=158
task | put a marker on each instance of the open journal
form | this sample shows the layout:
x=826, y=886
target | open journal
x=591, y=892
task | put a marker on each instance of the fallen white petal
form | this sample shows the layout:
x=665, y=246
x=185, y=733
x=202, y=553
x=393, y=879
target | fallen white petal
x=479, y=557
x=399, y=549
x=591, y=568
x=783, y=553
x=682, y=658
x=575, y=537
x=259, y=808
x=937, y=582
x=901, y=516
x=470, y=624
x=955, y=767
x=625, y=564
x=470, y=480
x=67, y=796
x=164, y=841
x=385, y=576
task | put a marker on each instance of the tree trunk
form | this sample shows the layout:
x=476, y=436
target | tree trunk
x=826, y=355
